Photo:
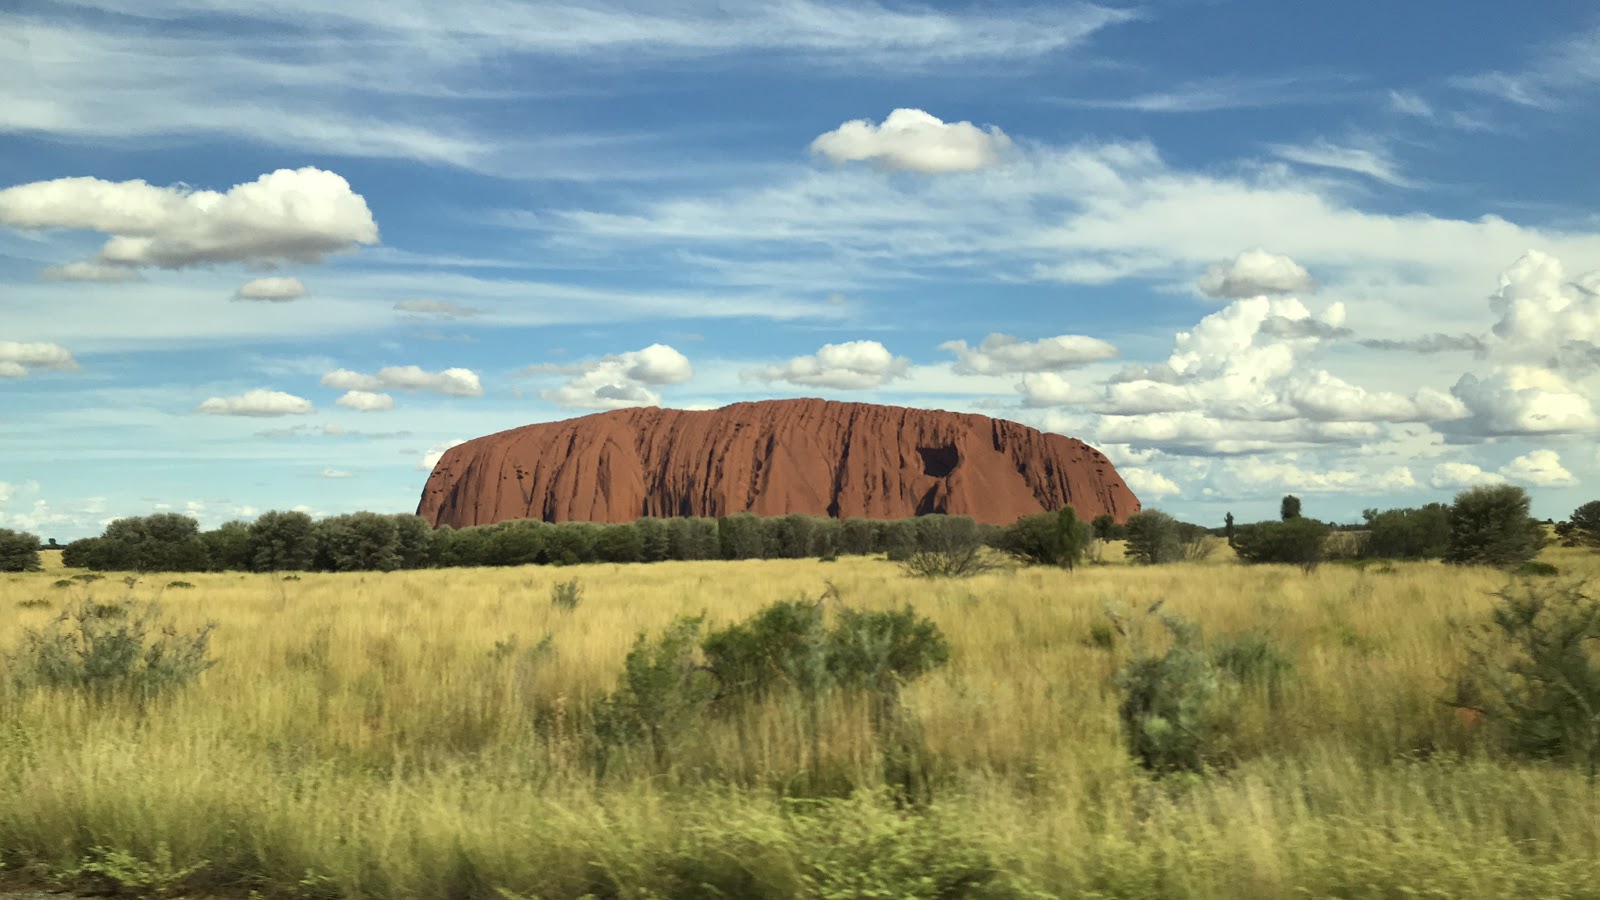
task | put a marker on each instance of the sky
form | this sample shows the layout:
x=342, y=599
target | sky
x=270, y=255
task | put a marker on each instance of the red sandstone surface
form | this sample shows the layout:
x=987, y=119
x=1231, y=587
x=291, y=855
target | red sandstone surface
x=771, y=458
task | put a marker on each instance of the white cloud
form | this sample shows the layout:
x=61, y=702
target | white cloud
x=853, y=365
x=436, y=453
x=1254, y=273
x=618, y=380
x=1360, y=160
x=1409, y=103
x=291, y=215
x=1148, y=484
x=1000, y=354
x=1541, y=468
x=1544, y=315
x=912, y=140
x=1144, y=396
x=335, y=473
x=272, y=290
x=443, y=309
x=366, y=401
x=1452, y=475
x=91, y=271
x=1286, y=475
x=450, y=382
x=1040, y=389
x=1522, y=400
x=259, y=402
x=19, y=359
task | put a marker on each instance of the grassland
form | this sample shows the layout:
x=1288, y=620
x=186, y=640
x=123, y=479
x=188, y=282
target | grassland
x=401, y=736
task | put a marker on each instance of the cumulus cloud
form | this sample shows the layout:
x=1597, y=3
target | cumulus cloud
x=91, y=271
x=912, y=140
x=853, y=365
x=1040, y=389
x=1148, y=485
x=291, y=215
x=441, y=309
x=450, y=382
x=1286, y=474
x=1542, y=312
x=19, y=359
x=272, y=290
x=435, y=453
x=1430, y=343
x=1453, y=475
x=1001, y=354
x=1255, y=273
x=1145, y=396
x=617, y=380
x=365, y=401
x=1522, y=400
x=258, y=403
x=1541, y=468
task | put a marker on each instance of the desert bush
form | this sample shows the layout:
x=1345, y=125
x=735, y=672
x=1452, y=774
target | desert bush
x=83, y=553
x=1046, y=539
x=658, y=699
x=620, y=543
x=898, y=539
x=880, y=652
x=946, y=547
x=569, y=543
x=413, y=541
x=858, y=537
x=1251, y=658
x=109, y=650
x=515, y=542
x=741, y=536
x=1154, y=538
x=1176, y=706
x=283, y=542
x=19, y=551
x=693, y=538
x=566, y=595
x=1536, y=669
x=785, y=645
x=655, y=539
x=108, y=871
x=1296, y=541
x=1490, y=526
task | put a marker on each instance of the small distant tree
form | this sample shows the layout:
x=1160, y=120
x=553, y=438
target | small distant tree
x=693, y=538
x=1490, y=526
x=619, y=544
x=1584, y=527
x=570, y=543
x=414, y=541
x=1154, y=538
x=283, y=542
x=947, y=546
x=19, y=551
x=164, y=542
x=654, y=539
x=1073, y=536
x=83, y=553
x=858, y=537
x=1412, y=533
x=514, y=542
x=1289, y=508
x=1227, y=528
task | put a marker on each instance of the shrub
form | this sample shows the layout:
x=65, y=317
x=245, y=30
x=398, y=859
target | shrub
x=1046, y=539
x=858, y=537
x=1420, y=533
x=1153, y=538
x=112, y=650
x=655, y=540
x=693, y=538
x=413, y=541
x=283, y=542
x=898, y=539
x=1106, y=528
x=19, y=551
x=358, y=542
x=1536, y=668
x=516, y=542
x=1583, y=528
x=741, y=536
x=1490, y=526
x=784, y=645
x=569, y=543
x=880, y=652
x=83, y=553
x=107, y=871
x=567, y=595
x=1296, y=541
x=1251, y=658
x=1175, y=706
x=661, y=694
x=620, y=543
x=947, y=547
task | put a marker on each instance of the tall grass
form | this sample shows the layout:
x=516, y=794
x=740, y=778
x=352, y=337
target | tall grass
x=415, y=735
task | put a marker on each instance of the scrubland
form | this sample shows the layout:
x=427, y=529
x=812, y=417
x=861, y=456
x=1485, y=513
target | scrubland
x=427, y=734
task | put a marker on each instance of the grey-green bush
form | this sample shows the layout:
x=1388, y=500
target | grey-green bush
x=111, y=650
x=283, y=542
x=1490, y=526
x=1153, y=538
x=19, y=551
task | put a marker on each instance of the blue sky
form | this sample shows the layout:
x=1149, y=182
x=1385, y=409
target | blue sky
x=265, y=255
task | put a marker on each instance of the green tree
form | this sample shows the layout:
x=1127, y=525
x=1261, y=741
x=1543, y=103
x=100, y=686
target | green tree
x=1409, y=533
x=858, y=537
x=621, y=543
x=1295, y=541
x=1072, y=536
x=693, y=538
x=741, y=536
x=1585, y=525
x=19, y=551
x=1289, y=508
x=414, y=539
x=514, y=542
x=1490, y=526
x=283, y=542
x=164, y=542
x=358, y=542
x=1154, y=538
x=570, y=543
x=655, y=539
x=83, y=553
x=1105, y=527
x=228, y=546
x=1227, y=528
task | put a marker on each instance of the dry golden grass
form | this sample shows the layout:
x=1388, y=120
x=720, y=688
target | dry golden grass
x=364, y=729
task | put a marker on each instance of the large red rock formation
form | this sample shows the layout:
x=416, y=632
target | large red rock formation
x=771, y=458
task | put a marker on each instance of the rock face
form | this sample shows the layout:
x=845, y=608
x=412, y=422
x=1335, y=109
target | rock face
x=771, y=458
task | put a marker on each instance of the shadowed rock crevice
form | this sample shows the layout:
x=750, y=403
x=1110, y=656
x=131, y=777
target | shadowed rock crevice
x=772, y=458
